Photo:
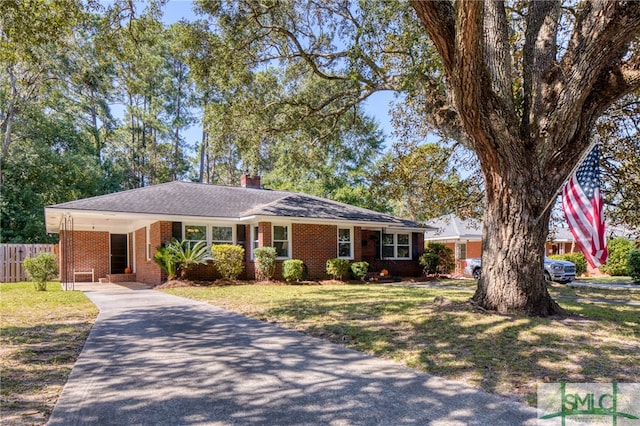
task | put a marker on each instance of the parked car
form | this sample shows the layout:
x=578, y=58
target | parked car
x=560, y=271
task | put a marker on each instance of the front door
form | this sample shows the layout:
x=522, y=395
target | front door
x=119, y=258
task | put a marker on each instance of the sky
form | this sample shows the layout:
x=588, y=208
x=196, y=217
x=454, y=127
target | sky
x=376, y=106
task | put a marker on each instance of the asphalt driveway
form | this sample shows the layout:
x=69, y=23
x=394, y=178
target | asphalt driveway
x=157, y=359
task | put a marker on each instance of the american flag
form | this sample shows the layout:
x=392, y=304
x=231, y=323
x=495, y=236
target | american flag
x=583, y=209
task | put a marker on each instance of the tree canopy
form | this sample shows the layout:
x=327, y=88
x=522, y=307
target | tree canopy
x=495, y=103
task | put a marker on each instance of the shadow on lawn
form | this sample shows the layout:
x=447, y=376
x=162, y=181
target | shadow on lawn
x=35, y=365
x=195, y=364
x=502, y=354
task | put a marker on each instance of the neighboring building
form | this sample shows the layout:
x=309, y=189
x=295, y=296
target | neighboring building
x=463, y=236
x=109, y=233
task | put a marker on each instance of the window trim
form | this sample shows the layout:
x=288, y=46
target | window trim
x=255, y=239
x=147, y=242
x=185, y=225
x=338, y=242
x=211, y=242
x=288, y=240
x=209, y=232
x=395, y=245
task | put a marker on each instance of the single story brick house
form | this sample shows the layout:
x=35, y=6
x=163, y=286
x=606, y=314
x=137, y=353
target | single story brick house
x=109, y=233
x=464, y=237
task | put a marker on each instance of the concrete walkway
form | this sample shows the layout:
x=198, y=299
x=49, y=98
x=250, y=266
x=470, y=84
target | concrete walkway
x=157, y=359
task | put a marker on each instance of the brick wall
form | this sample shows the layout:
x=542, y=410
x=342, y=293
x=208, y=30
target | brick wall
x=314, y=244
x=370, y=252
x=90, y=251
x=147, y=271
x=311, y=243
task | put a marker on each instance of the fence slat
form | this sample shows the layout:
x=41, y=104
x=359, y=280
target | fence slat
x=13, y=255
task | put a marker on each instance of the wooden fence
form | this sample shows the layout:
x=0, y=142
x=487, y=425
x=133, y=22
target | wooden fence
x=12, y=256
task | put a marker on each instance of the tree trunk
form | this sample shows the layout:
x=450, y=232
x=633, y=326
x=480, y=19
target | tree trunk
x=8, y=119
x=513, y=245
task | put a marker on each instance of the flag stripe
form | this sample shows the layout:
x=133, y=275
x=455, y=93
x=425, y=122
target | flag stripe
x=583, y=209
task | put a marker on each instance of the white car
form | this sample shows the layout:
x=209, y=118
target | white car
x=561, y=271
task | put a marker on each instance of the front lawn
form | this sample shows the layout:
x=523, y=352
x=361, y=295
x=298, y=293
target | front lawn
x=41, y=336
x=630, y=294
x=437, y=331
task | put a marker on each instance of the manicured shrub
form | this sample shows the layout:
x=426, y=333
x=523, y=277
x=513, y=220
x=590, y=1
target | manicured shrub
x=577, y=258
x=41, y=269
x=293, y=269
x=359, y=269
x=633, y=265
x=338, y=268
x=437, y=259
x=265, y=262
x=227, y=259
x=619, y=249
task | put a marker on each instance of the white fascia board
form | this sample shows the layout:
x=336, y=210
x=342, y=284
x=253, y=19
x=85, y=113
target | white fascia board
x=338, y=222
x=94, y=220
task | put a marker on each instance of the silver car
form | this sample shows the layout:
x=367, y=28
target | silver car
x=561, y=271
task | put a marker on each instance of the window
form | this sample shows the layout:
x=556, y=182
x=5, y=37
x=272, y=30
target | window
x=388, y=247
x=255, y=238
x=403, y=249
x=221, y=235
x=461, y=251
x=396, y=246
x=195, y=233
x=345, y=244
x=147, y=231
x=209, y=234
x=281, y=240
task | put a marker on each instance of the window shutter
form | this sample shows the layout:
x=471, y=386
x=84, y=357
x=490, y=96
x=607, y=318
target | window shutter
x=176, y=230
x=241, y=239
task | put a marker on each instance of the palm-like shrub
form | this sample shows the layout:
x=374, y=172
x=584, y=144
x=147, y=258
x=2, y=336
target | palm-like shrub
x=177, y=257
x=165, y=259
x=188, y=255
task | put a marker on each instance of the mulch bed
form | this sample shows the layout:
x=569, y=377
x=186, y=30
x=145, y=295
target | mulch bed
x=227, y=282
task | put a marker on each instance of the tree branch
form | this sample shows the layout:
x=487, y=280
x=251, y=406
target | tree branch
x=497, y=51
x=539, y=55
x=592, y=68
x=438, y=18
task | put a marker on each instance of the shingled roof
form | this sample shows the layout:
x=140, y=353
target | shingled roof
x=188, y=199
x=451, y=227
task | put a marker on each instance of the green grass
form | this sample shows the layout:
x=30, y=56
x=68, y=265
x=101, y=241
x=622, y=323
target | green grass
x=41, y=336
x=605, y=280
x=501, y=354
x=631, y=294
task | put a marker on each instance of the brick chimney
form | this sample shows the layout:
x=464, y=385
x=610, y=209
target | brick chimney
x=247, y=181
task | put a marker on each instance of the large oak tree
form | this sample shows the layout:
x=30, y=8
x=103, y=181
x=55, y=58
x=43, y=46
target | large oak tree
x=528, y=136
x=520, y=83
